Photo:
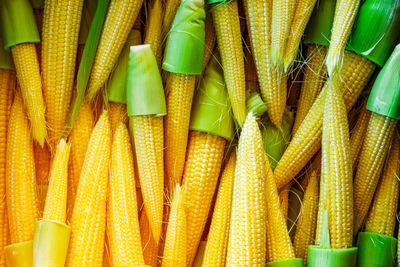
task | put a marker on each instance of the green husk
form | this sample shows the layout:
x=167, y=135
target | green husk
x=276, y=140
x=19, y=254
x=215, y=1
x=255, y=104
x=385, y=94
x=86, y=64
x=319, y=27
x=37, y=4
x=18, y=23
x=144, y=88
x=375, y=250
x=116, y=84
x=376, y=30
x=293, y=262
x=89, y=8
x=211, y=111
x=185, y=44
x=6, y=61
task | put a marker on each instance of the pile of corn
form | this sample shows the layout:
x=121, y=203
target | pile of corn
x=199, y=133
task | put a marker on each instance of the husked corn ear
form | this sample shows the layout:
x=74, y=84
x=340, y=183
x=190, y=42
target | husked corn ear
x=375, y=146
x=382, y=216
x=358, y=134
x=42, y=163
x=247, y=234
x=28, y=74
x=148, y=132
x=323, y=204
x=56, y=201
x=339, y=175
x=117, y=114
x=61, y=23
x=122, y=215
x=217, y=241
x=273, y=84
x=203, y=164
x=121, y=16
x=229, y=40
x=175, y=242
x=302, y=14
x=306, y=142
x=154, y=27
x=149, y=245
x=284, y=199
x=210, y=39
x=179, y=90
x=88, y=223
x=305, y=229
x=314, y=79
x=22, y=202
x=345, y=14
x=7, y=87
x=171, y=7
x=79, y=139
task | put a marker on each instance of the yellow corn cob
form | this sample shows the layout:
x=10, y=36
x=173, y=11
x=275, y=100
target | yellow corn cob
x=149, y=245
x=315, y=165
x=61, y=22
x=247, y=234
x=272, y=82
x=345, y=14
x=175, y=242
x=28, y=74
x=122, y=215
x=217, y=242
x=314, y=78
x=339, y=176
x=376, y=143
x=203, y=164
x=210, y=39
x=153, y=29
x=358, y=134
x=117, y=114
x=88, y=223
x=284, y=200
x=382, y=216
x=229, y=39
x=42, y=163
x=282, y=17
x=302, y=14
x=79, y=140
x=171, y=8
x=279, y=246
x=121, y=16
x=179, y=89
x=305, y=229
x=323, y=198
x=7, y=86
x=148, y=132
x=22, y=202
x=56, y=201
x=354, y=75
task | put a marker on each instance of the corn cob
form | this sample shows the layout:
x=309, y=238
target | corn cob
x=121, y=16
x=89, y=214
x=175, y=242
x=179, y=90
x=305, y=229
x=358, y=134
x=28, y=74
x=247, y=234
x=61, y=23
x=282, y=17
x=203, y=164
x=301, y=17
x=345, y=14
x=22, y=202
x=42, y=163
x=354, y=75
x=284, y=200
x=7, y=86
x=272, y=82
x=79, y=140
x=227, y=29
x=56, y=201
x=382, y=216
x=338, y=171
x=210, y=40
x=217, y=242
x=148, y=132
x=122, y=215
x=314, y=78
x=117, y=114
x=323, y=199
x=154, y=27
x=171, y=8
x=376, y=143
x=315, y=165
x=149, y=245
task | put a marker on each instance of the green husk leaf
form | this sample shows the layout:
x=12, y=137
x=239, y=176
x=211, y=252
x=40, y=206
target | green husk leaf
x=255, y=104
x=375, y=249
x=89, y=8
x=6, y=61
x=37, y=4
